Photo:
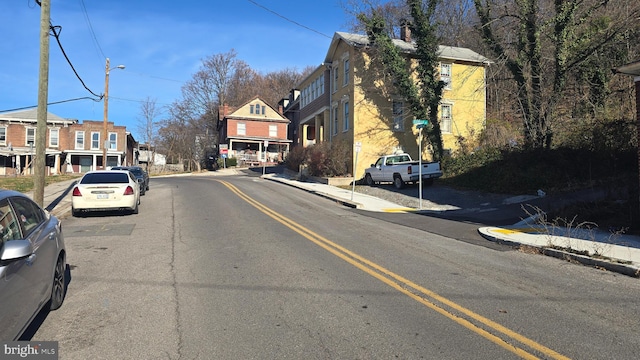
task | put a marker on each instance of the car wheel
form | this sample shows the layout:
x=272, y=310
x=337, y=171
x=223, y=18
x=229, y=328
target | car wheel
x=135, y=210
x=59, y=282
x=368, y=180
x=75, y=213
x=398, y=183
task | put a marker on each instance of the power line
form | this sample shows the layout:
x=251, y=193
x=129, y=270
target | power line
x=55, y=31
x=289, y=20
x=51, y=103
x=93, y=34
x=57, y=37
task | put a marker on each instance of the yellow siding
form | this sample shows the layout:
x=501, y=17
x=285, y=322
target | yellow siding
x=371, y=118
x=468, y=99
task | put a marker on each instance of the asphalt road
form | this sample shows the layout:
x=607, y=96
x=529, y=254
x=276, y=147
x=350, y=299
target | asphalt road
x=238, y=268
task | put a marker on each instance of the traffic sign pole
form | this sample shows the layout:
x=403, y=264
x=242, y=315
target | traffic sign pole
x=420, y=124
x=358, y=146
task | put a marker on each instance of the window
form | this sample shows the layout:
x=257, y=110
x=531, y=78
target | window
x=241, y=129
x=345, y=123
x=80, y=140
x=29, y=213
x=445, y=118
x=262, y=111
x=398, y=116
x=9, y=227
x=54, y=137
x=345, y=79
x=31, y=136
x=95, y=140
x=273, y=130
x=113, y=141
x=335, y=120
x=251, y=109
x=314, y=90
x=3, y=135
x=335, y=78
x=445, y=75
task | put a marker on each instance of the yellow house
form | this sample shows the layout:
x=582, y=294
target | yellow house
x=353, y=102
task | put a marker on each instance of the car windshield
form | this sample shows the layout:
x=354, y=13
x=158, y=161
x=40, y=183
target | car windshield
x=105, y=178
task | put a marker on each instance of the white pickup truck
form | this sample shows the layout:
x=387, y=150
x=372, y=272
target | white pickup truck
x=401, y=169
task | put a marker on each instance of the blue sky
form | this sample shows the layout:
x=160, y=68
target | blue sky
x=160, y=42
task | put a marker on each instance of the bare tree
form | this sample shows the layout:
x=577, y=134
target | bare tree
x=191, y=130
x=147, y=126
x=547, y=46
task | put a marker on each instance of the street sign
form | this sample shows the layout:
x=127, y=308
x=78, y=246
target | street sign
x=420, y=122
x=358, y=145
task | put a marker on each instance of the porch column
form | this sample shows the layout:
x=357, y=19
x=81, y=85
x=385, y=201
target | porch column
x=303, y=133
x=56, y=164
x=319, y=122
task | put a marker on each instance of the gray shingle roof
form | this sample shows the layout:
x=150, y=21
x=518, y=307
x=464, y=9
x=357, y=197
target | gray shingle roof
x=445, y=52
x=31, y=115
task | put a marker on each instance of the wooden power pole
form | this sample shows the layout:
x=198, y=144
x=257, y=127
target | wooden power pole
x=43, y=95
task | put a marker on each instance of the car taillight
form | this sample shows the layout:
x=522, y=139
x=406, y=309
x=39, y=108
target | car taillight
x=129, y=191
x=409, y=169
x=76, y=192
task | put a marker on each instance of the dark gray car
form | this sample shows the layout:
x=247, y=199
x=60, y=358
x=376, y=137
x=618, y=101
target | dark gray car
x=32, y=263
x=139, y=173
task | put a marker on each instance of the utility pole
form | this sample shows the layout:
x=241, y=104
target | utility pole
x=43, y=95
x=106, y=118
x=105, y=142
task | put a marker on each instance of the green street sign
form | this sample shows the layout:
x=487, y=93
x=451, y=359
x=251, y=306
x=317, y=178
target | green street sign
x=420, y=122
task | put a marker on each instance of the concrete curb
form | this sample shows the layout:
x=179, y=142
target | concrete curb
x=344, y=202
x=609, y=265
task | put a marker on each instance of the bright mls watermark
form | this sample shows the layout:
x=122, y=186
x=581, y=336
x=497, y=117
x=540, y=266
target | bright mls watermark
x=42, y=350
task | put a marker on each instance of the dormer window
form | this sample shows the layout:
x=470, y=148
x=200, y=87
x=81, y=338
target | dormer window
x=256, y=109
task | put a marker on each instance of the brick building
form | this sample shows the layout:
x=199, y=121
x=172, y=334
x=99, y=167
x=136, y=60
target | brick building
x=70, y=146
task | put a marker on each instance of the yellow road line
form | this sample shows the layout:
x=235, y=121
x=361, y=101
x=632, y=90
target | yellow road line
x=405, y=286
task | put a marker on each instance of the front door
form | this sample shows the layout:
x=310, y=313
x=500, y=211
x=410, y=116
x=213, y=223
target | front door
x=86, y=163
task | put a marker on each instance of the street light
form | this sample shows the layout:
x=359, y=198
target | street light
x=106, y=110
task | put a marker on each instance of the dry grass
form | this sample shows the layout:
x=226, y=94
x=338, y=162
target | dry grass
x=25, y=183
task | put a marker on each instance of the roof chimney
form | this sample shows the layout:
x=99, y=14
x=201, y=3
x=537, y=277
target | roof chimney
x=405, y=31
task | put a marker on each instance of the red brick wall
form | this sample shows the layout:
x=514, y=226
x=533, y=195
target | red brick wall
x=255, y=128
x=92, y=126
x=17, y=135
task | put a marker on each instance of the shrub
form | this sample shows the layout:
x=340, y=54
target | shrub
x=323, y=160
x=296, y=157
x=229, y=163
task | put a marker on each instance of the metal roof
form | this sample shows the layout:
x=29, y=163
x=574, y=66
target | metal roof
x=629, y=69
x=444, y=52
x=31, y=115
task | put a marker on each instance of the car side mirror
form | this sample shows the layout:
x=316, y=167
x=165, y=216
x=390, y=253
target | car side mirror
x=16, y=249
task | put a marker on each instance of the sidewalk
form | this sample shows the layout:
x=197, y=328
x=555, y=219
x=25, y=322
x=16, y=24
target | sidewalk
x=618, y=253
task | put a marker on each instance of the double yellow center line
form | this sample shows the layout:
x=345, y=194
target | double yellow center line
x=463, y=316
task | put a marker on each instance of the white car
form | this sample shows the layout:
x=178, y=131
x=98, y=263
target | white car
x=106, y=190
